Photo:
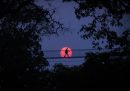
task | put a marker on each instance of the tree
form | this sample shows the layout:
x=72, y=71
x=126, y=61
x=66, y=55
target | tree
x=104, y=15
x=106, y=69
x=22, y=23
x=66, y=78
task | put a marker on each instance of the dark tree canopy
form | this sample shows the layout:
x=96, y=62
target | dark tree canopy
x=22, y=23
x=22, y=62
x=104, y=14
x=99, y=71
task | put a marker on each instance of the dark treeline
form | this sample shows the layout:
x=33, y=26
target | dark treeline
x=22, y=62
x=99, y=71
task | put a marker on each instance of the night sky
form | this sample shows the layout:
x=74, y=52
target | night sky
x=65, y=14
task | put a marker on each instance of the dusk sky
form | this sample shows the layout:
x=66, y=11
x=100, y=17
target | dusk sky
x=60, y=45
x=65, y=14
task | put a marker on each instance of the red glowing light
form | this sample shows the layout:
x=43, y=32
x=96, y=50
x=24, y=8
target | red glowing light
x=65, y=52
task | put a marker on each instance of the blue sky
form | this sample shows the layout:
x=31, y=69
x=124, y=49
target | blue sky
x=65, y=14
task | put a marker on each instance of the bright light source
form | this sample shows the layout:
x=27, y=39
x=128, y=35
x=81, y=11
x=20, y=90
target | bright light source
x=66, y=52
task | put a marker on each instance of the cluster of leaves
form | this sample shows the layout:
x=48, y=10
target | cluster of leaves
x=104, y=14
x=100, y=70
x=21, y=24
x=22, y=62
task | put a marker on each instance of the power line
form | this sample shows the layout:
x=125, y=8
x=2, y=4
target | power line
x=80, y=50
x=66, y=61
x=71, y=49
x=74, y=50
x=65, y=58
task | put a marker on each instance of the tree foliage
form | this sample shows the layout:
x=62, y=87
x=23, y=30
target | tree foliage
x=104, y=15
x=22, y=23
x=22, y=62
x=99, y=71
x=105, y=69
